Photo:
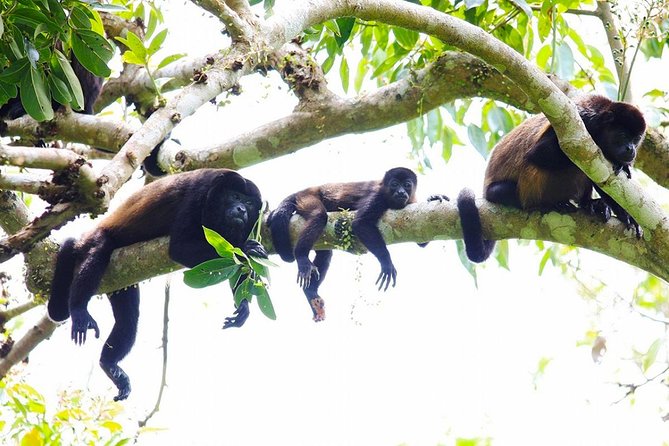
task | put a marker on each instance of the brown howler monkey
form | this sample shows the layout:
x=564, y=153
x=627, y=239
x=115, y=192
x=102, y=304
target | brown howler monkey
x=529, y=170
x=178, y=206
x=371, y=199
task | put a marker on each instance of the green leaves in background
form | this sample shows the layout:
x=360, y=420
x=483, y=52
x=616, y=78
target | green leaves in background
x=247, y=273
x=36, y=35
x=92, y=50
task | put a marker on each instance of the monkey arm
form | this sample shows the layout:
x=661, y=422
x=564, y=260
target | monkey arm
x=364, y=227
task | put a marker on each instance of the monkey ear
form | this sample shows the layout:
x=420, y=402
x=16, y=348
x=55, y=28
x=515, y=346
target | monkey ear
x=546, y=152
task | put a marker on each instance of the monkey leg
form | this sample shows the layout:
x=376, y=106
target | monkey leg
x=58, y=307
x=322, y=263
x=94, y=260
x=125, y=306
x=503, y=192
x=316, y=221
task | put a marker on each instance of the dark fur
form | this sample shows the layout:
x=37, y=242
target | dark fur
x=529, y=170
x=178, y=206
x=371, y=199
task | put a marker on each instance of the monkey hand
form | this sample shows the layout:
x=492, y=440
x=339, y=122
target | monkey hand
x=630, y=223
x=254, y=248
x=82, y=321
x=305, y=269
x=437, y=197
x=598, y=208
x=388, y=273
x=239, y=316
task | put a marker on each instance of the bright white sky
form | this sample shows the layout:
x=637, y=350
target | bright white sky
x=429, y=361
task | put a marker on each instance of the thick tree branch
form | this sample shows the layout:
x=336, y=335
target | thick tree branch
x=74, y=127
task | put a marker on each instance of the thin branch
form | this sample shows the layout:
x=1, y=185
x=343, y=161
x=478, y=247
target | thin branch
x=8, y=314
x=631, y=388
x=23, y=182
x=21, y=348
x=163, y=379
x=615, y=43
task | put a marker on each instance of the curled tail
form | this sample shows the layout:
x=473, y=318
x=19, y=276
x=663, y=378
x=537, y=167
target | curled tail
x=58, y=306
x=279, y=225
x=478, y=249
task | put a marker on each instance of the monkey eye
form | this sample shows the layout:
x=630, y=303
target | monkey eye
x=407, y=185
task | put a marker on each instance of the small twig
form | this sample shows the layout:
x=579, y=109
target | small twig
x=631, y=388
x=10, y=313
x=163, y=382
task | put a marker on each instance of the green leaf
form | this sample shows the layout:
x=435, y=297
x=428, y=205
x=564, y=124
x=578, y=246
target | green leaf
x=79, y=18
x=343, y=73
x=132, y=58
x=33, y=18
x=35, y=96
x=363, y=67
x=565, y=65
x=134, y=43
x=264, y=262
x=477, y=138
x=7, y=91
x=327, y=64
x=651, y=355
x=243, y=292
x=62, y=68
x=264, y=302
x=169, y=59
x=469, y=266
x=93, y=51
x=345, y=25
x=434, y=126
x=544, y=260
x=223, y=247
x=502, y=255
x=151, y=26
x=407, y=38
x=16, y=72
x=157, y=42
x=59, y=90
x=211, y=272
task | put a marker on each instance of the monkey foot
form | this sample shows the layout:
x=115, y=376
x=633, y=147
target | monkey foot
x=318, y=307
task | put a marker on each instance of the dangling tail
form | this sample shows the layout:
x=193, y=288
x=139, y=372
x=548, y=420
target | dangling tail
x=478, y=249
x=279, y=225
x=58, y=307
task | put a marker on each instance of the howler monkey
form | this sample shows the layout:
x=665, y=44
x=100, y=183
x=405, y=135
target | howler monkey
x=529, y=170
x=177, y=205
x=371, y=199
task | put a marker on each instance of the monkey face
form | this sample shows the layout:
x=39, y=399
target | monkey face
x=239, y=209
x=398, y=192
x=618, y=145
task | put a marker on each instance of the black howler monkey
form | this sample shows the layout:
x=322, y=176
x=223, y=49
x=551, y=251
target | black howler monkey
x=371, y=199
x=529, y=170
x=179, y=206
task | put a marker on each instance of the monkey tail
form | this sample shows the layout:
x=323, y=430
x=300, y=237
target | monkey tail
x=478, y=249
x=279, y=225
x=58, y=307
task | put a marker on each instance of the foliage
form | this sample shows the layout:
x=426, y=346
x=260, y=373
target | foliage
x=247, y=274
x=31, y=33
x=27, y=419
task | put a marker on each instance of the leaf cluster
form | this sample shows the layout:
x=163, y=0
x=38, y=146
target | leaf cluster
x=77, y=419
x=249, y=275
x=37, y=40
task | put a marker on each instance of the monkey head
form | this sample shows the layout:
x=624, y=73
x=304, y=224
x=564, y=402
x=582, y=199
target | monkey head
x=618, y=129
x=239, y=209
x=399, y=187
